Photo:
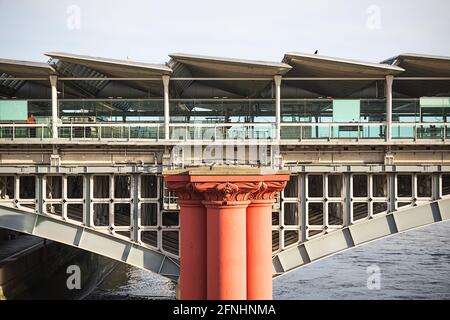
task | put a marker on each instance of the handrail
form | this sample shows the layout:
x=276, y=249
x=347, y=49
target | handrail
x=372, y=124
x=207, y=99
x=25, y=125
x=246, y=124
x=326, y=124
x=213, y=125
x=225, y=131
x=111, y=124
x=407, y=124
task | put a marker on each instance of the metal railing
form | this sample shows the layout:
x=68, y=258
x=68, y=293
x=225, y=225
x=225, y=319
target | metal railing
x=25, y=131
x=421, y=130
x=333, y=130
x=222, y=131
x=119, y=131
x=228, y=131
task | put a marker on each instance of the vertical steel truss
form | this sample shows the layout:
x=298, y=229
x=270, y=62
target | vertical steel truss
x=60, y=207
x=391, y=201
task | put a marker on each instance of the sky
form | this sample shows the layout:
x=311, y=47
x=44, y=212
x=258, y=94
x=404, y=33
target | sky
x=149, y=30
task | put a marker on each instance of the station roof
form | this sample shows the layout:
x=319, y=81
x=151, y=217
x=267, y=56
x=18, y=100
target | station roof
x=315, y=66
x=206, y=66
x=419, y=65
x=214, y=72
x=188, y=65
x=81, y=66
x=25, y=69
x=21, y=69
x=114, y=67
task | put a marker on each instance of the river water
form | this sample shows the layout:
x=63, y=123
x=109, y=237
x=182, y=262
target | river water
x=411, y=265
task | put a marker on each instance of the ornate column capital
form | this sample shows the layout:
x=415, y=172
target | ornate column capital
x=184, y=190
x=226, y=191
x=267, y=190
x=225, y=187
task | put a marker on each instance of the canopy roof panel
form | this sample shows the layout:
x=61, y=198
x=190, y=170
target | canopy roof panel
x=25, y=69
x=197, y=66
x=314, y=66
x=310, y=65
x=419, y=65
x=22, y=69
x=113, y=67
x=205, y=66
x=79, y=66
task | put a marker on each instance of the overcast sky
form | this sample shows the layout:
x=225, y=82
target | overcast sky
x=149, y=30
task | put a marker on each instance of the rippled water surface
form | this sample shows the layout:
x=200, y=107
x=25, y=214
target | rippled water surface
x=412, y=265
x=130, y=283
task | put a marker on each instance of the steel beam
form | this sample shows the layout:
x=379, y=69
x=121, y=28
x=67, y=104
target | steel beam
x=88, y=216
x=88, y=239
x=155, y=169
x=135, y=212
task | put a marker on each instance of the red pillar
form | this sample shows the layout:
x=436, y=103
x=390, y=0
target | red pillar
x=259, y=250
x=233, y=260
x=226, y=250
x=192, y=281
x=192, y=250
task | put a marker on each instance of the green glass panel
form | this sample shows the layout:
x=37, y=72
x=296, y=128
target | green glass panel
x=346, y=111
x=11, y=110
x=435, y=102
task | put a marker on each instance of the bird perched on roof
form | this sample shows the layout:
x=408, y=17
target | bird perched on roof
x=316, y=52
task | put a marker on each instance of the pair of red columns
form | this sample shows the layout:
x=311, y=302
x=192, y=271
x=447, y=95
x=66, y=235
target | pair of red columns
x=225, y=233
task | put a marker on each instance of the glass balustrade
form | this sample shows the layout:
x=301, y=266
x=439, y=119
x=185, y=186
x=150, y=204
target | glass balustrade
x=420, y=131
x=329, y=131
x=222, y=132
x=227, y=119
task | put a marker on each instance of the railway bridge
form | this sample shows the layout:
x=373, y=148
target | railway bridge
x=225, y=171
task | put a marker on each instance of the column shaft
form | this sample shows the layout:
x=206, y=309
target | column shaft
x=277, y=80
x=259, y=250
x=166, y=79
x=53, y=83
x=226, y=250
x=192, y=250
x=389, y=81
